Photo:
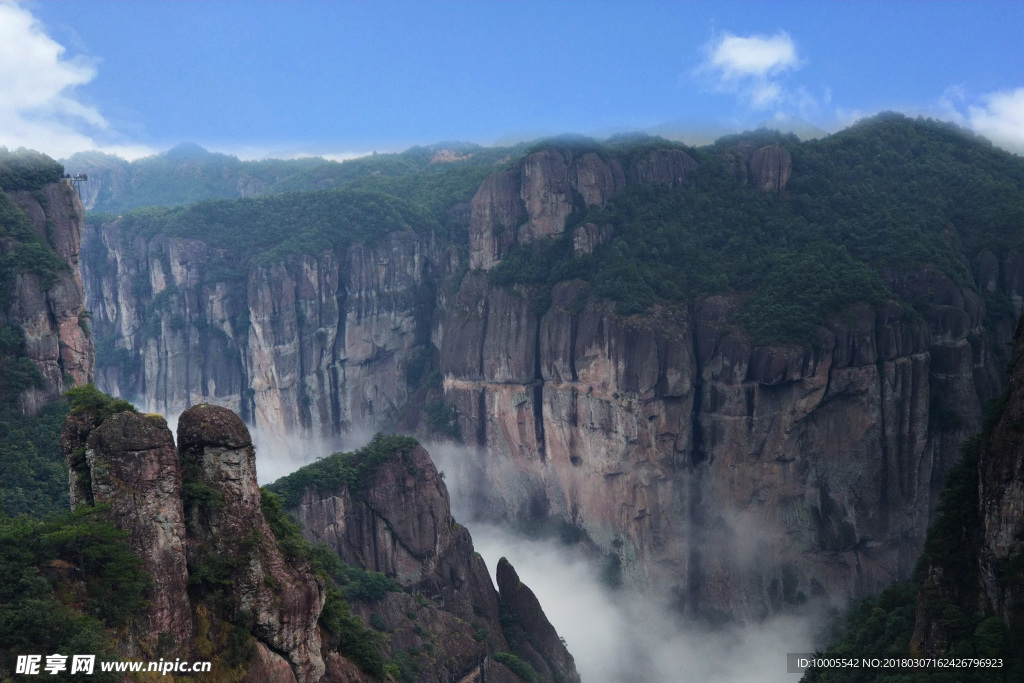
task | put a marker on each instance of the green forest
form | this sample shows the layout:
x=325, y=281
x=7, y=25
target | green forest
x=33, y=475
x=187, y=174
x=888, y=195
x=889, y=192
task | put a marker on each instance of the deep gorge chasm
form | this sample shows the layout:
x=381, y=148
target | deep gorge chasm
x=735, y=377
x=683, y=439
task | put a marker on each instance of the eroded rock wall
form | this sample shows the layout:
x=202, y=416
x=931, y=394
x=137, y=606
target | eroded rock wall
x=281, y=602
x=53, y=319
x=745, y=478
x=315, y=345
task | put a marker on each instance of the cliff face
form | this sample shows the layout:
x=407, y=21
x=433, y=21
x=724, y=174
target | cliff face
x=52, y=316
x=398, y=522
x=972, y=564
x=747, y=478
x=193, y=516
x=313, y=345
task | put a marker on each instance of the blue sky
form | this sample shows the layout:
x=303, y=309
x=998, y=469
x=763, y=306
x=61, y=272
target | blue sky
x=342, y=78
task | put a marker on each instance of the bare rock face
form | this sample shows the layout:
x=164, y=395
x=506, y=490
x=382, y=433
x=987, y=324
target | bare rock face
x=771, y=168
x=665, y=166
x=537, y=201
x=400, y=523
x=1001, y=492
x=53, y=319
x=282, y=603
x=310, y=345
x=132, y=466
x=534, y=634
x=750, y=478
x=596, y=179
x=546, y=193
x=588, y=237
x=496, y=210
x=767, y=168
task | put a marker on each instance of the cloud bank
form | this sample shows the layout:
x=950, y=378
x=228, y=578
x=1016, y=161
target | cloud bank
x=1000, y=118
x=39, y=107
x=750, y=66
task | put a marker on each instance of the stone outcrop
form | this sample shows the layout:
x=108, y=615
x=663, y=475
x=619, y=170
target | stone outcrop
x=193, y=515
x=534, y=635
x=53, y=317
x=663, y=166
x=588, y=237
x=399, y=522
x=771, y=168
x=282, y=602
x=537, y=200
x=767, y=168
x=129, y=463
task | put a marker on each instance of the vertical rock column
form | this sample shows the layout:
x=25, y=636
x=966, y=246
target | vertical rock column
x=131, y=465
x=226, y=526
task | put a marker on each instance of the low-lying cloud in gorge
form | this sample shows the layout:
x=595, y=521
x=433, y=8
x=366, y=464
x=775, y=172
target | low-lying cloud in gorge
x=619, y=635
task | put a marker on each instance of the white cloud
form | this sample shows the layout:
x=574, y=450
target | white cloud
x=757, y=56
x=751, y=66
x=1000, y=118
x=38, y=107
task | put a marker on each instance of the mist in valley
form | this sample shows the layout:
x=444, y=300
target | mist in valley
x=620, y=635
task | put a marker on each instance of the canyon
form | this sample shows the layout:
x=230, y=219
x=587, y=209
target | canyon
x=732, y=477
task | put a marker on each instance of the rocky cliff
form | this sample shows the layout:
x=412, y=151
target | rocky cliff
x=43, y=295
x=193, y=516
x=228, y=588
x=972, y=566
x=744, y=477
x=309, y=344
x=387, y=509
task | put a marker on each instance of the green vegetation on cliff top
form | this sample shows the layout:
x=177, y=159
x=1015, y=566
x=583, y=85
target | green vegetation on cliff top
x=67, y=583
x=888, y=194
x=26, y=169
x=883, y=197
x=188, y=173
x=352, y=469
